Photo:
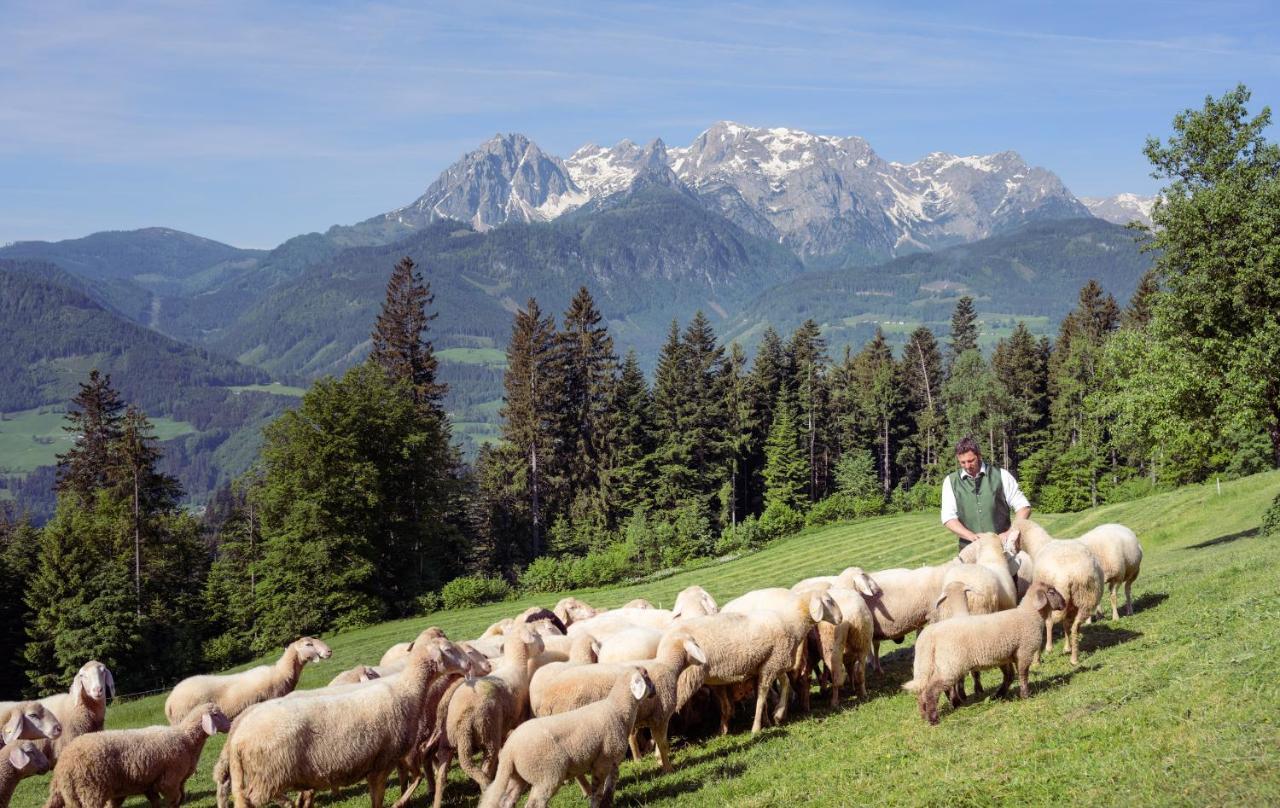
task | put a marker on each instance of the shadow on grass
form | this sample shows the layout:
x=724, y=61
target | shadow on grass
x=1147, y=600
x=1227, y=539
x=1100, y=635
x=675, y=785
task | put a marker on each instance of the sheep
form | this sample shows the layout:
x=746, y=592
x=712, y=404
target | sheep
x=954, y=602
x=988, y=551
x=1068, y=566
x=570, y=610
x=1009, y=639
x=233, y=692
x=844, y=647
x=360, y=673
x=693, y=601
x=360, y=733
x=850, y=578
x=543, y=753
x=1120, y=555
x=759, y=644
x=27, y=721
x=104, y=767
x=396, y=653
x=19, y=759
x=638, y=603
x=573, y=687
x=543, y=621
x=482, y=711
x=80, y=710
x=585, y=651
x=1024, y=572
x=633, y=643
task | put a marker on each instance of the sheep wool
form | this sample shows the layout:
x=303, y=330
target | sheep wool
x=233, y=692
x=18, y=760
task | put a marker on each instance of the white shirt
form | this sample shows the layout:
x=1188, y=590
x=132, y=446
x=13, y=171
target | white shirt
x=1012, y=494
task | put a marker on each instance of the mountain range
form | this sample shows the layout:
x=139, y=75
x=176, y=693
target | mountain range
x=754, y=226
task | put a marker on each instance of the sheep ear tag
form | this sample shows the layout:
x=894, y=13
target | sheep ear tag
x=638, y=687
x=18, y=758
x=207, y=723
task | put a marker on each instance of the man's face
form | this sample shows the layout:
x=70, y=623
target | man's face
x=970, y=462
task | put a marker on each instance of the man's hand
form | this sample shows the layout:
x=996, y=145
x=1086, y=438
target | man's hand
x=957, y=527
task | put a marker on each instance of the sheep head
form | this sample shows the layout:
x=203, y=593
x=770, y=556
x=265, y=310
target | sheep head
x=310, y=649
x=93, y=680
x=213, y=720
x=857, y=579
x=30, y=720
x=27, y=759
x=640, y=684
x=823, y=609
x=1046, y=598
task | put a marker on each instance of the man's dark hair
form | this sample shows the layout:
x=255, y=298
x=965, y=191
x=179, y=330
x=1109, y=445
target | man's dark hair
x=968, y=444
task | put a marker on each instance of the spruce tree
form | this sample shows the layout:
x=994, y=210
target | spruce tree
x=964, y=330
x=94, y=421
x=19, y=559
x=631, y=440
x=231, y=589
x=807, y=352
x=1021, y=368
x=740, y=432
x=785, y=471
x=672, y=393
x=148, y=492
x=879, y=398
x=530, y=421
x=399, y=339
x=1139, y=311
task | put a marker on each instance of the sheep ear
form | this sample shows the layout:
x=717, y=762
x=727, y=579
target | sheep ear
x=638, y=687
x=1041, y=600
x=206, y=722
x=815, y=608
x=110, y=681
x=18, y=758
x=709, y=604
x=77, y=687
x=941, y=598
x=12, y=727
x=695, y=652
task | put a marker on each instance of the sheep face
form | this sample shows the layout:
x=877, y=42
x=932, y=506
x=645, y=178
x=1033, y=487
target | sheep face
x=27, y=759
x=30, y=720
x=1046, y=598
x=310, y=649
x=857, y=579
x=94, y=680
x=214, y=720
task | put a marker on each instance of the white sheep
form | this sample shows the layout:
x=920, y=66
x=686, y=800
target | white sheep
x=637, y=642
x=102, y=768
x=846, y=646
x=989, y=551
x=585, y=651
x=850, y=578
x=19, y=759
x=324, y=741
x=1011, y=639
x=1068, y=566
x=1119, y=554
x=396, y=653
x=81, y=710
x=233, y=692
x=360, y=673
x=482, y=711
x=1024, y=572
x=638, y=603
x=902, y=605
x=763, y=645
x=28, y=721
x=543, y=753
x=570, y=610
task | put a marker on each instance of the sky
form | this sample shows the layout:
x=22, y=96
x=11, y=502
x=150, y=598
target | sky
x=254, y=122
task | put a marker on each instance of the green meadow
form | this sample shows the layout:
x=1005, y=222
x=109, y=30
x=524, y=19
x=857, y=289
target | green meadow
x=1177, y=705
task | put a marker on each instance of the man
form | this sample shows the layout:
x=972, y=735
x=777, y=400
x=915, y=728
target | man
x=979, y=498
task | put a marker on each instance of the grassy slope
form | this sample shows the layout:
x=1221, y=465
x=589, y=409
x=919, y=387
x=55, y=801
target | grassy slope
x=1176, y=705
x=20, y=451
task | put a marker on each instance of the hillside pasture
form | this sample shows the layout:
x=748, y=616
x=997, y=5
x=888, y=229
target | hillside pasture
x=1176, y=705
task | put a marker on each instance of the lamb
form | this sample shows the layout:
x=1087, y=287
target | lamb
x=81, y=710
x=947, y=650
x=233, y=692
x=954, y=602
x=27, y=721
x=360, y=673
x=573, y=687
x=1068, y=566
x=104, y=767
x=543, y=753
x=759, y=644
x=19, y=759
x=1119, y=555
x=362, y=732
x=482, y=711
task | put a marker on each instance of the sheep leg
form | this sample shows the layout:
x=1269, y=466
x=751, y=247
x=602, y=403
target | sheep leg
x=153, y=798
x=540, y=795
x=1128, y=598
x=441, y=764
x=762, y=696
x=875, y=656
x=1048, y=634
x=633, y=741
x=929, y=705
x=377, y=788
x=662, y=743
x=406, y=791
x=1024, y=687
x=468, y=764
x=1075, y=638
x=1006, y=682
x=784, y=699
x=726, y=709
x=956, y=693
x=584, y=785
x=977, y=683
x=1115, y=611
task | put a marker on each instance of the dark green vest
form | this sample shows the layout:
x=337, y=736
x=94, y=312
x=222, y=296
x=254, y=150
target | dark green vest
x=980, y=501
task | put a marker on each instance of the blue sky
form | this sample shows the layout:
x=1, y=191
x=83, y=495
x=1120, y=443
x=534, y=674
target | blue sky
x=253, y=122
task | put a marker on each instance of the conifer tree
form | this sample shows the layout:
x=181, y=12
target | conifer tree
x=19, y=558
x=740, y=431
x=785, y=471
x=880, y=402
x=583, y=366
x=147, y=491
x=922, y=380
x=631, y=439
x=231, y=588
x=964, y=330
x=400, y=346
x=1019, y=363
x=94, y=422
x=529, y=421
x=1138, y=313
x=808, y=360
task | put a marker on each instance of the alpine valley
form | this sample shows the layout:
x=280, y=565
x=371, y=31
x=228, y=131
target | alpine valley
x=756, y=227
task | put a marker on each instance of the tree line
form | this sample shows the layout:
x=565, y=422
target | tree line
x=361, y=510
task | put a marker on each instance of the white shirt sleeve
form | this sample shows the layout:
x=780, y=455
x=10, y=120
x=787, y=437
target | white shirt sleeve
x=1012, y=493
x=949, y=510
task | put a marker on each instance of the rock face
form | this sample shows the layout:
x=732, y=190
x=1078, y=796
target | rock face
x=1121, y=208
x=507, y=179
x=819, y=195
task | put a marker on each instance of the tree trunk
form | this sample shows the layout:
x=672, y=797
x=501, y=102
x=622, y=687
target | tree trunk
x=137, y=547
x=537, y=513
x=885, y=462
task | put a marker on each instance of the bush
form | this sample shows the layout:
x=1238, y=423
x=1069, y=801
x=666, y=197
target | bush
x=779, y=520
x=856, y=474
x=428, y=602
x=835, y=508
x=686, y=536
x=1131, y=489
x=473, y=590
x=746, y=536
x=547, y=574
x=607, y=565
x=1271, y=519
x=920, y=497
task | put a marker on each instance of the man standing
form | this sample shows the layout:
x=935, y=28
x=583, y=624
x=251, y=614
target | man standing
x=979, y=498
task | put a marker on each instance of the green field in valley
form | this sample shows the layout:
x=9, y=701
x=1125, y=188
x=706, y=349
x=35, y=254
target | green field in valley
x=489, y=357
x=33, y=438
x=1177, y=705
x=275, y=389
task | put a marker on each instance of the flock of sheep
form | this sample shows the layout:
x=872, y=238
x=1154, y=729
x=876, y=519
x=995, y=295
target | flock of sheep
x=554, y=695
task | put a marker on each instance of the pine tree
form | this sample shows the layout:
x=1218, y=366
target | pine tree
x=769, y=372
x=1020, y=365
x=879, y=402
x=399, y=344
x=740, y=432
x=964, y=330
x=94, y=421
x=808, y=360
x=231, y=589
x=529, y=420
x=147, y=490
x=785, y=470
x=1138, y=314
x=19, y=559
x=631, y=440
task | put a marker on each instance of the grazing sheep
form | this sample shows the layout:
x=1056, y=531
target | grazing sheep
x=482, y=711
x=1068, y=566
x=80, y=710
x=362, y=732
x=571, y=610
x=845, y=647
x=947, y=650
x=759, y=644
x=1119, y=555
x=543, y=753
x=573, y=687
x=19, y=759
x=360, y=673
x=988, y=551
x=954, y=602
x=585, y=651
x=28, y=721
x=233, y=692
x=638, y=603
x=903, y=603
x=396, y=653
x=543, y=621
x=103, y=768
x=633, y=643
x=851, y=578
